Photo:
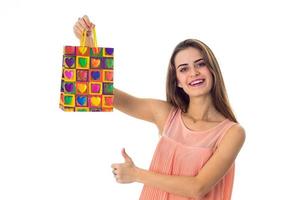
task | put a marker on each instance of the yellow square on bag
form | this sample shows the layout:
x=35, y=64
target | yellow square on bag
x=87, y=78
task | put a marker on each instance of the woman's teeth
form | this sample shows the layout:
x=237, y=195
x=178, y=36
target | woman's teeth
x=197, y=82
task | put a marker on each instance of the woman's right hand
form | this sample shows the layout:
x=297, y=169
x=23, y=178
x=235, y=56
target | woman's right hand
x=84, y=24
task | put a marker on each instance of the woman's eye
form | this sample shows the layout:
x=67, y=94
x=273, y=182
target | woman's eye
x=201, y=64
x=183, y=69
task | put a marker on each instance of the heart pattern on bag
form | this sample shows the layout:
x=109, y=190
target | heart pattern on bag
x=95, y=62
x=68, y=100
x=109, y=63
x=109, y=51
x=69, y=74
x=95, y=101
x=69, y=87
x=109, y=101
x=83, y=62
x=82, y=75
x=95, y=88
x=95, y=75
x=81, y=87
x=87, y=79
x=95, y=50
x=82, y=50
x=70, y=61
x=69, y=50
x=108, y=88
x=109, y=76
x=81, y=100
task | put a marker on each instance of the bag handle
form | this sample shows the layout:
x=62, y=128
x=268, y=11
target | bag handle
x=83, y=38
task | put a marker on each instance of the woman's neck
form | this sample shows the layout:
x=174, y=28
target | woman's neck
x=202, y=108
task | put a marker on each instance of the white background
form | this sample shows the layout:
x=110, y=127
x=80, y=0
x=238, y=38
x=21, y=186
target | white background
x=49, y=154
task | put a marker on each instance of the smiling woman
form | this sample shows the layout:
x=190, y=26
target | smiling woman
x=200, y=136
x=204, y=64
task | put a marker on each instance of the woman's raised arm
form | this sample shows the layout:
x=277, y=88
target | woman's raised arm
x=151, y=110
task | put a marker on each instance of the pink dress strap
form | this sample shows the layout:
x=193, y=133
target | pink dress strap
x=169, y=120
x=221, y=136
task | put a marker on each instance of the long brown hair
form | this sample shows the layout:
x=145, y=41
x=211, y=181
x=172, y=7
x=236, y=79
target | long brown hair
x=178, y=98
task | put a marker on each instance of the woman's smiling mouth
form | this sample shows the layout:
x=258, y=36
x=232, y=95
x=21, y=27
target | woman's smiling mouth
x=197, y=82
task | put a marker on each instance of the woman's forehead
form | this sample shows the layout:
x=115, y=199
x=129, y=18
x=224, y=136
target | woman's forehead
x=188, y=55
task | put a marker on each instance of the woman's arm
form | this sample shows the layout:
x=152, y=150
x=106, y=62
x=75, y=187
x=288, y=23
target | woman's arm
x=178, y=185
x=151, y=110
x=210, y=174
x=197, y=186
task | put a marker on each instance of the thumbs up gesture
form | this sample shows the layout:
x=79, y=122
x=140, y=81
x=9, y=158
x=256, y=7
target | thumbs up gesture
x=125, y=172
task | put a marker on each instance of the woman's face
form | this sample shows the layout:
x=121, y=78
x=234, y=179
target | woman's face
x=192, y=73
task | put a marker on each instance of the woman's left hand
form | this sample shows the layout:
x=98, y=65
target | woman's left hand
x=125, y=172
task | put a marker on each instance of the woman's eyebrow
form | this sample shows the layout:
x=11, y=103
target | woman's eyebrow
x=184, y=64
x=198, y=60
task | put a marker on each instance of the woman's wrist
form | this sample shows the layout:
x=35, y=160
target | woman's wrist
x=89, y=42
x=138, y=174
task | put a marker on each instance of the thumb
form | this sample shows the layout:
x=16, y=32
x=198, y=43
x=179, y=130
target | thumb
x=126, y=156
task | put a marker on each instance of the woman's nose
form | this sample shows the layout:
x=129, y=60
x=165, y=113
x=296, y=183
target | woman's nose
x=194, y=71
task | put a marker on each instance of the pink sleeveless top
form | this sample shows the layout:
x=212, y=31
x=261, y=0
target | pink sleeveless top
x=183, y=152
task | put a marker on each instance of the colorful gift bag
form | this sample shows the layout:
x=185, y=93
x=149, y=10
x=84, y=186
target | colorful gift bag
x=87, y=78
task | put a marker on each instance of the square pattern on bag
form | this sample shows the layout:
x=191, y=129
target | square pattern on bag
x=87, y=79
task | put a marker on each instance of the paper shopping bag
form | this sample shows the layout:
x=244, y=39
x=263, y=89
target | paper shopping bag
x=87, y=78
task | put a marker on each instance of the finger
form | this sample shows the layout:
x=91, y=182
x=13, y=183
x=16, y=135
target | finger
x=82, y=29
x=79, y=28
x=114, y=166
x=77, y=32
x=93, y=25
x=87, y=21
x=83, y=24
x=126, y=156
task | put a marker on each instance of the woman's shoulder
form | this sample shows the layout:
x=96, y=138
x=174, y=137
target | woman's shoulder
x=236, y=131
x=237, y=128
x=162, y=109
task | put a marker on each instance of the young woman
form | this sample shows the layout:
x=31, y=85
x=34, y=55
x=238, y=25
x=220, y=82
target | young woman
x=200, y=136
